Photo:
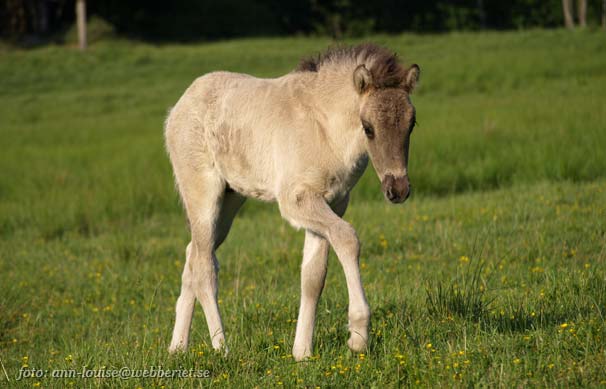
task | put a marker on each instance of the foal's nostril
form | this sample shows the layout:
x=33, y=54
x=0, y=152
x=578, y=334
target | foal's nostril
x=390, y=194
x=393, y=195
x=396, y=189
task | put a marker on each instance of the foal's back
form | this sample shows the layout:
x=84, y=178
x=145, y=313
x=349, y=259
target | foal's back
x=252, y=131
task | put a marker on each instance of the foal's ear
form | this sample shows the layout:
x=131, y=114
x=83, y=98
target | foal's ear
x=412, y=77
x=362, y=79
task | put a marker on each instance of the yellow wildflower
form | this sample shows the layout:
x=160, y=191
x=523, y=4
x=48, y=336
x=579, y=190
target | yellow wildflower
x=383, y=241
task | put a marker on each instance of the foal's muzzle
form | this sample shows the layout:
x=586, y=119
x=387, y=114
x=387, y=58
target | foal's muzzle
x=395, y=189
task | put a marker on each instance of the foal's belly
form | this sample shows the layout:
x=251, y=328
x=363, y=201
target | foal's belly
x=244, y=177
x=241, y=161
x=254, y=191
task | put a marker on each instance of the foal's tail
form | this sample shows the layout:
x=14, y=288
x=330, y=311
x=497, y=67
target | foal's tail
x=170, y=145
x=184, y=137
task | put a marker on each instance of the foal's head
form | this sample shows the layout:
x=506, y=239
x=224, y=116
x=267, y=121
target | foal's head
x=387, y=118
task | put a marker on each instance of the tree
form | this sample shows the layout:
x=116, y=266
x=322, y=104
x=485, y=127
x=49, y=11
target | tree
x=81, y=20
x=582, y=12
x=567, y=8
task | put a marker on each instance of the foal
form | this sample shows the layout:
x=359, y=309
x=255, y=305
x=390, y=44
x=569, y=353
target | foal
x=302, y=140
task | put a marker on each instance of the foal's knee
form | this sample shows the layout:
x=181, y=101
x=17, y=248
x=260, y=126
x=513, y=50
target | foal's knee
x=345, y=241
x=312, y=282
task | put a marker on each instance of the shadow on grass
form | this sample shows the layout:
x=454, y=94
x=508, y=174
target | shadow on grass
x=522, y=320
x=467, y=299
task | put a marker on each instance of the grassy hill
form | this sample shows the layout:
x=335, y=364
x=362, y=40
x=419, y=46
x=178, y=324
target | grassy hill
x=492, y=274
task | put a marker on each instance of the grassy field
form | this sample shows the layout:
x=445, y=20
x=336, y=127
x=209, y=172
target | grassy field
x=493, y=274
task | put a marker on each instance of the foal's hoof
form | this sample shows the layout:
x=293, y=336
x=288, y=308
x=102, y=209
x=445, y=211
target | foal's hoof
x=222, y=349
x=356, y=343
x=301, y=354
x=176, y=348
x=220, y=346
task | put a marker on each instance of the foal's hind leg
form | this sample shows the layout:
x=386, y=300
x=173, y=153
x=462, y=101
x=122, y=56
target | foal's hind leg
x=202, y=194
x=232, y=202
x=185, y=309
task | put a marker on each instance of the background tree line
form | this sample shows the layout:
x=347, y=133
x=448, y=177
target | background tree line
x=187, y=20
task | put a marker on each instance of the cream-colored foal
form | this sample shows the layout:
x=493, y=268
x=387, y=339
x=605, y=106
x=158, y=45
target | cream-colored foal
x=303, y=140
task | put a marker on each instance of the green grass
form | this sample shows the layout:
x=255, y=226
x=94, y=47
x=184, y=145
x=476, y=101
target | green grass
x=493, y=274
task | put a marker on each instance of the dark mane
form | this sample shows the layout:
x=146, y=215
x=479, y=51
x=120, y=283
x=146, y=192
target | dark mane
x=384, y=66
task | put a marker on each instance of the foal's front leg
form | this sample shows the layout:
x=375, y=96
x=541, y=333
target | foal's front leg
x=311, y=212
x=313, y=274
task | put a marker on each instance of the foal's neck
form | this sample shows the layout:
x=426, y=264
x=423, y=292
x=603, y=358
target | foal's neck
x=339, y=107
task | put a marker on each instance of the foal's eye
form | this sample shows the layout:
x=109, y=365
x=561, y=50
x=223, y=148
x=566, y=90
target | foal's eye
x=368, y=130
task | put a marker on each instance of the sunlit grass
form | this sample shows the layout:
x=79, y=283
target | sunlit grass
x=492, y=274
